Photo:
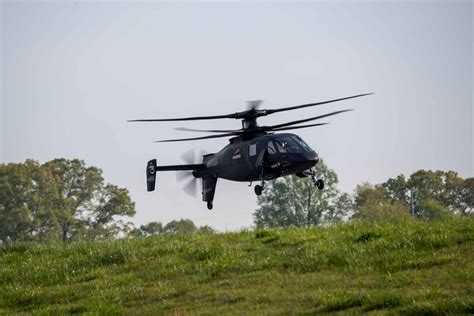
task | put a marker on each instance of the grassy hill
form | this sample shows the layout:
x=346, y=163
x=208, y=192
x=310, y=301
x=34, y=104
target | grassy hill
x=410, y=267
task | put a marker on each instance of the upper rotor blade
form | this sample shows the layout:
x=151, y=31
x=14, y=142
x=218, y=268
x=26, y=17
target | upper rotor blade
x=271, y=111
x=208, y=130
x=193, y=118
x=305, y=120
x=298, y=127
x=194, y=138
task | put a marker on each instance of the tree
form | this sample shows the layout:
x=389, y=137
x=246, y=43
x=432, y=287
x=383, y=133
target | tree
x=430, y=193
x=15, y=220
x=183, y=226
x=466, y=199
x=296, y=202
x=109, y=202
x=59, y=199
x=206, y=229
x=152, y=228
x=375, y=203
x=76, y=186
x=343, y=206
x=397, y=189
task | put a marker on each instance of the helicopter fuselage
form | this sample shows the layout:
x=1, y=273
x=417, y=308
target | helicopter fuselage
x=268, y=155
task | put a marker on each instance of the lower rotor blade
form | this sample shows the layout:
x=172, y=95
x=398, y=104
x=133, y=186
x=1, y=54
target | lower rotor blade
x=306, y=120
x=298, y=127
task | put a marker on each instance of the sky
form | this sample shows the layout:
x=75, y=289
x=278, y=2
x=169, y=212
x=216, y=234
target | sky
x=73, y=73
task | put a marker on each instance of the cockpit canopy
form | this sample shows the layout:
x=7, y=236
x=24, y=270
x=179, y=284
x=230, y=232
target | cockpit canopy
x=288, y=144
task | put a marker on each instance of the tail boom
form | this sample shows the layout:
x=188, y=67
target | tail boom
x=152, y=168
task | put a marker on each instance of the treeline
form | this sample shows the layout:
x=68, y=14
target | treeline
x=183, y=226
x=60, y=200
x=425, y=194
x=65, y=200
x=295, y=202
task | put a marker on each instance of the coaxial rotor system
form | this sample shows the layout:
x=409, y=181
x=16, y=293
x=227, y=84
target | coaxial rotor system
x=249, y=120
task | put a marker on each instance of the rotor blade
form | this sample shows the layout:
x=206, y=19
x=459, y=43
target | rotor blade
x=191, y=187
x=193, y=118
x=185, y=129
x=305, y=120
x=298, y=127
x=271, y=111
x=195, y=138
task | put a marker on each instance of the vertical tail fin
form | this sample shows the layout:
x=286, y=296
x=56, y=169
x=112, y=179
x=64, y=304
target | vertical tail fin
x=151, y=175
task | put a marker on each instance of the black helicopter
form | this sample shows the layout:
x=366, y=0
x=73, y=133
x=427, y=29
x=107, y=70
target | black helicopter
x=254, y=153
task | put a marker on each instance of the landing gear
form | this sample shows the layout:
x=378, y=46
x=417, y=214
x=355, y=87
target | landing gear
x=319, y=184
x=259, y=187
x=209, y=205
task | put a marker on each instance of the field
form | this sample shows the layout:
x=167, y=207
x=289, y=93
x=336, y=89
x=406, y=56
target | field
x=408, y=267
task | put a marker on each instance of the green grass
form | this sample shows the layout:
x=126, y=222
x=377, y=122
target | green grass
x=410, y=267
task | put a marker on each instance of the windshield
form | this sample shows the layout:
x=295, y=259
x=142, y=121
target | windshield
x=288, y=145
x=302, y=143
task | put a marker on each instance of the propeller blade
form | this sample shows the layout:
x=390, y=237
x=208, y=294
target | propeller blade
x=183, y=175
x=273, y=127
x=271, y=111
x=195, y=138
x=189, y=157
x=298, y=127
x=191, y=187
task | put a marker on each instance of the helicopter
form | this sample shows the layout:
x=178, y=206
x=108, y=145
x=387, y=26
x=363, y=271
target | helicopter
x=254, y=153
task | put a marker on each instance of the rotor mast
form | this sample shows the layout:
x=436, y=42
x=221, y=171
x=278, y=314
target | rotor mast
x=250, y=122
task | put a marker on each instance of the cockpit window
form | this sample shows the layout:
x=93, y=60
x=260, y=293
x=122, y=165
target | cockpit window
x=291, y=144
x=288, y=145
x=303, y=144
x=271, y=147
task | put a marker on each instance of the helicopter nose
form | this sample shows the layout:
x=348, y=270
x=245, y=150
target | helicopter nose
x=312, y=157
x=316, y=158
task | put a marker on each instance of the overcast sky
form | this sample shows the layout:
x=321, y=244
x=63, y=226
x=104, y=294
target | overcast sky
x=74, y=72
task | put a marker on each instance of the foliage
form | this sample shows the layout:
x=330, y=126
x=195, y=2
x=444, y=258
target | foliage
x=409, y=267
x=61, y=199
x=372, y=203
x=183, y=226
x=426, y=194
x=296, y=202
